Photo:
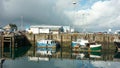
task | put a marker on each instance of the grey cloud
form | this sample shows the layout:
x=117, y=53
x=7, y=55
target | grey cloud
x=1, y=7
x=103, y=15
x=60, y=12
x=33, y=12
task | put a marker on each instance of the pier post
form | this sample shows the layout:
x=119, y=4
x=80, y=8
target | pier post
x=0, y=41
x=34, y=45
x=61, y=46
x=34, y=41
x=2, y=46
x=47, y=46
x=75, y=37
x=51, y=36
x=103, y=43
x=13, y=46
x=12, y=42
x=45, y=36
x=34, y=51
x=48, y=36
x=93, y=37
x=71, y=46
x=108, y=42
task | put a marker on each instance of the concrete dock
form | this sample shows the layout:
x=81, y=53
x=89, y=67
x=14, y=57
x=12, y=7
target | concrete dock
x=66, y=38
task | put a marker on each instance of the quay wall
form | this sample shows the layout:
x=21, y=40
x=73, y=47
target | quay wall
x=73, y=36
x=65, y=39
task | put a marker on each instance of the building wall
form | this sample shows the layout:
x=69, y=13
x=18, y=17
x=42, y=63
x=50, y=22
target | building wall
x=35, y=30
x=44, y=29
x=50, y=29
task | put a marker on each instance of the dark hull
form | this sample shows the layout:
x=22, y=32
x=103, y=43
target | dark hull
x=117, y=44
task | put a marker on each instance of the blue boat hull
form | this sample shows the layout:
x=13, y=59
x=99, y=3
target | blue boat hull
x=48, y=47
x=73, y=44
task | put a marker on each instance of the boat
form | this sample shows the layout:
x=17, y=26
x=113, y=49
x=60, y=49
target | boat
x=47, y=47
x=94, y=46
x=79, y=43
x=93, y=55
x=117, y=55
x=78, y=55
x=44, y=51
x=85, y=43
x=44, y=43
x=38, y=59
x=117, y=43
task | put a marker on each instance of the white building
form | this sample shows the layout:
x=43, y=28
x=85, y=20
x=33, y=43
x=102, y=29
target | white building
x=117, y=32
x=36, y=29
x=67, y=29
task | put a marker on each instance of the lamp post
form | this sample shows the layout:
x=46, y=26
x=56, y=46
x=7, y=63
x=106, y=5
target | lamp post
x=74, y=4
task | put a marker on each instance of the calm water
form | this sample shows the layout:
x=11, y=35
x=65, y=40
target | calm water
x=28, y=57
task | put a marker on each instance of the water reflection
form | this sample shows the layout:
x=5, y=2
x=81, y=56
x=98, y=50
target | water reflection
x=93, y=55
x=12, y=53
x=117, y=56
x=30, y=57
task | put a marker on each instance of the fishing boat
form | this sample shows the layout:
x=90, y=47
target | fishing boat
x=95, y=46
x=44, y=43
x=38, y=59
x=45, y=51
x=117, y=43
x=78, y=55
x=85, y=43
x=95, y=55
x=47, y=47
x=79, y=43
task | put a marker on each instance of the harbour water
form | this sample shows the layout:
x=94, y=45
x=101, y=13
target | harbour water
x=28, y=57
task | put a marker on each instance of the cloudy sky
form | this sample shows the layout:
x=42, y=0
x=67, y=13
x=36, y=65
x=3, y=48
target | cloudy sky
x=89, y=15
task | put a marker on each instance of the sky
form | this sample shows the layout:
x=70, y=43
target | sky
x=85, y=15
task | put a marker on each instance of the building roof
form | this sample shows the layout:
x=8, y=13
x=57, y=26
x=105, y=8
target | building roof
x=45, y=26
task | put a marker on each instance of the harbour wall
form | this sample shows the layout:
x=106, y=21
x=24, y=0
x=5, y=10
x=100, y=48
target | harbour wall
x=65, y=39
x=73, y=36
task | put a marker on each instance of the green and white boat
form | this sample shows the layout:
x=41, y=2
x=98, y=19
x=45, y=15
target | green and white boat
x=94, y=47
x=95, y=55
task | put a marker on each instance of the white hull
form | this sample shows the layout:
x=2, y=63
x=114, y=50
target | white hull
x=96, y=45
x=44, y=52
x=95, y=56
x=38, y=59
x=80, y=42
